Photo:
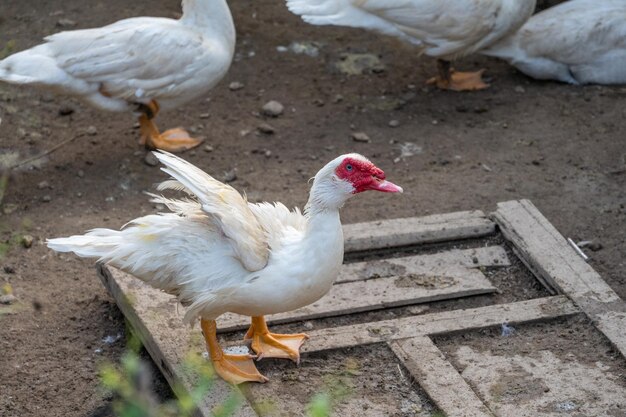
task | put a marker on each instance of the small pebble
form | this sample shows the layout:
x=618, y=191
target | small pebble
x=80, y=173
x=46, y=199
x=595, y=246
x=92, y=130
x=43, y=185
x=65, y=110
x=266, y=128
x=7, y=299
x=308, y=325
x=27, y=241
x=66, y=23
x=273, y=108
x=205, y=115
x=394, y=123
x=360, y=137
x=230, y=176
x=207, y=148
x=519, y=89
x=268, y=154
x=151, y=160
x=235, y=85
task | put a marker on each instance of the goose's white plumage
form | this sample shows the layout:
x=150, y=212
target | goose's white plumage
x=577, y=42
x=444, y=29
x=156, y=62
x=218, y=253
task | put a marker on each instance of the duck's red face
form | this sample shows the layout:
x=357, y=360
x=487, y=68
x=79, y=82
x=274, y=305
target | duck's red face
x=364, y=176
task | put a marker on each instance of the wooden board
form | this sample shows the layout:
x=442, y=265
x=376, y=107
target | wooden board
x=416, y=230
x=453, y=263
x=443, y=384
x=546, y=252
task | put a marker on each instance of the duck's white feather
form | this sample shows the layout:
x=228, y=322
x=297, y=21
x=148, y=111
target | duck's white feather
x=440, y=28
x=133, y=60
x=578, y=42
x=226, y=206
x=195, y=252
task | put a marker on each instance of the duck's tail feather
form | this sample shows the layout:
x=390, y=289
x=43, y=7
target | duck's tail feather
x=97, y=243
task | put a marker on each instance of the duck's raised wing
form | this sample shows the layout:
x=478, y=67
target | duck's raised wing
x=229, y=210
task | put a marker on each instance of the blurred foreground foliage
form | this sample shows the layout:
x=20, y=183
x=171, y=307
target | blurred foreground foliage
x=130, y=384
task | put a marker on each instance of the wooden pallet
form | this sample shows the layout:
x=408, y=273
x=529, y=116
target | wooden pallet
x=366, y=286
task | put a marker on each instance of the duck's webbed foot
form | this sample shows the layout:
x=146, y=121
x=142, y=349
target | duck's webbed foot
x=449, y=79
x=172, y=140
x=232, y=368
x=273, y=345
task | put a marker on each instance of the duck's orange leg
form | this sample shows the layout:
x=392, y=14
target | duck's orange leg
x=272, y=345
x=232, y=368
x=172, y=140
x=449, y=79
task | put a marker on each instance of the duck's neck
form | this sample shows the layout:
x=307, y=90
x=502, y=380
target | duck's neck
x=324, y=197
x=322, y=211
x=211, y=17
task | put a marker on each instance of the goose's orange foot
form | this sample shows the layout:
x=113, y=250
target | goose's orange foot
x=172, y=140
x=460, y=81
x=273, y=345
x=237, y=369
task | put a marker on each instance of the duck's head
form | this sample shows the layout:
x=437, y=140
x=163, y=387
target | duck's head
x=346, y=176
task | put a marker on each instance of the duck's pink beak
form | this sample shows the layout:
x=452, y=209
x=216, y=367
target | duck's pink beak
x=385, y=186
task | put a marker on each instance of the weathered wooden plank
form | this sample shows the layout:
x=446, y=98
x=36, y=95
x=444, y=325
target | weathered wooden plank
x=416, y=230
x=439, y=323
x=378, y=293
x=449, y=263
x=437, y=376
x=153, y=317
x=546, y=252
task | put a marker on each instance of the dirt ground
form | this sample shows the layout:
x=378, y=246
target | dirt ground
x=563, y=147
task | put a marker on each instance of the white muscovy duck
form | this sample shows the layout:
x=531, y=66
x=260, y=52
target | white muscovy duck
x=142, y=63
x=445, y=29
x=577, y=42
x=219, y=253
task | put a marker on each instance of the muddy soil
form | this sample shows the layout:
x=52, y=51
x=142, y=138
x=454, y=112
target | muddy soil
x=561, y=146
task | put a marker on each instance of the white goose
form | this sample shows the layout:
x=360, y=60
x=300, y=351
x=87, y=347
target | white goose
x=142, y=63
x=218, y=253
x=577, y=42
x=445, y=29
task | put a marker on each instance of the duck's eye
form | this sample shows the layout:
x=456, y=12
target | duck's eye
x=349, y=167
